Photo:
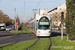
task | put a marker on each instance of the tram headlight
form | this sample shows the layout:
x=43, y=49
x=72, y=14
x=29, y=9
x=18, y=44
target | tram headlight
x=38, y=31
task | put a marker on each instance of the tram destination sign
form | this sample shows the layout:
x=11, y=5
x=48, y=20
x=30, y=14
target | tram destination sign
x=44, y=23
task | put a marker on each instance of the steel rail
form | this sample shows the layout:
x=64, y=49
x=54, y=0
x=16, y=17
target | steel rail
x=50, y=44
x=34, y=44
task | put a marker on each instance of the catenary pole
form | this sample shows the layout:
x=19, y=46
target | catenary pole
x=15, y=16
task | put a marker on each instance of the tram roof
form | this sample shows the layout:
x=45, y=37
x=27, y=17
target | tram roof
x=38, y=17
x=32, y=20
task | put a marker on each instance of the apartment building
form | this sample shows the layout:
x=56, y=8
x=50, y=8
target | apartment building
x=55, y=14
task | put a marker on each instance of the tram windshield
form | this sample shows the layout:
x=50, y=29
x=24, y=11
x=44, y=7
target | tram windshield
x=44, y=23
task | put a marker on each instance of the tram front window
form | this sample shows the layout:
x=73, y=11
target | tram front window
x=44, y=23
x=43, y=27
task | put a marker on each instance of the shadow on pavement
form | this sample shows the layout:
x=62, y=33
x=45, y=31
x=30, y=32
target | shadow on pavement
x=5, y=35
x=15, y=34
x=53, y=34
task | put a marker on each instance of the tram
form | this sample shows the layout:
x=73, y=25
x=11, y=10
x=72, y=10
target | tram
x=41, y=25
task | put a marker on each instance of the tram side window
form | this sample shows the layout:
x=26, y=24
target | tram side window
x=31, y=25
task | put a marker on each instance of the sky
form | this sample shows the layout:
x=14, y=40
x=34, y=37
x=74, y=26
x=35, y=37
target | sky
x=24, y=8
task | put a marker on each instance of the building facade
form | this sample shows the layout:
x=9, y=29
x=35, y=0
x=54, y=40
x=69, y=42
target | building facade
x=55, y=14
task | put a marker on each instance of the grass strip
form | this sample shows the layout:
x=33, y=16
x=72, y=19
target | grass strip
x=20, y=45
x=24, y=30
x=3, y=45
x=43, y=44
x=58, y=44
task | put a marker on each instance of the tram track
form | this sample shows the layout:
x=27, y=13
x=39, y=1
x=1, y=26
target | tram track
x=38, y=41
x=50, y=44
x=34, y=44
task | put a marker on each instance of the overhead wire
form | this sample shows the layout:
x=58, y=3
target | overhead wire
x=24, y=7
x=31, y=2
x=39, y=3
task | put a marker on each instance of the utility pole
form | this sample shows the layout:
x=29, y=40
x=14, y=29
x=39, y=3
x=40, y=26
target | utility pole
x=15, y=16
x=39, y=11
x=34, y=11
x=17, y=22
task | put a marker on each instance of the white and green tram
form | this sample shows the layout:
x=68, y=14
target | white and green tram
x=41, y=26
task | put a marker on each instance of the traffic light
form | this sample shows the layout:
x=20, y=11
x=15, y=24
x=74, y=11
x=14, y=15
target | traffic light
x=62, y=16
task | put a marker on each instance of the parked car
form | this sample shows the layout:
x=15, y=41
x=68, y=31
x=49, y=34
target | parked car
x=12, y=27
x=56, y=28
x=2, y=26
x=59, y=28
x=8, y=28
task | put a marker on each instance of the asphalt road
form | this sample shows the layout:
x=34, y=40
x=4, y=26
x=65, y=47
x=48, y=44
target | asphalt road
x=7, y=37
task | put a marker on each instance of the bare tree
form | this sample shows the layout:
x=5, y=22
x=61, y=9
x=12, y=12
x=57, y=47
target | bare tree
x=56, y=18
x=4, y=18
